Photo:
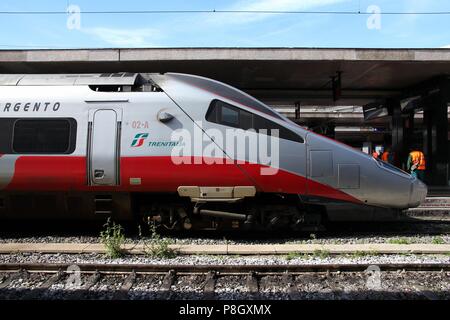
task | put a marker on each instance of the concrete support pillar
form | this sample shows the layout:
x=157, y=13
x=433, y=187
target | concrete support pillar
x=435, y=138
x=399, y=138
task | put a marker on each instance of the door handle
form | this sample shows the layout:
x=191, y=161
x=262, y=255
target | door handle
x=99, y=174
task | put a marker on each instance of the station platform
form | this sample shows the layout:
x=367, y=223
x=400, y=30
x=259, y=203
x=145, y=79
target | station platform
x=433, y=206
x=439, y=192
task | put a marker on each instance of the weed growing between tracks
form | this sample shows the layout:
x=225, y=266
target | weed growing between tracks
x=399, y=241
x=322, y=254
x=438, y=240
x=113, y=238
x=362, y=254
x=156, y=246
x=296, y=255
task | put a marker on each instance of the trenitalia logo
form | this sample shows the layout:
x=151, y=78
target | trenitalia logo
x=139, y=139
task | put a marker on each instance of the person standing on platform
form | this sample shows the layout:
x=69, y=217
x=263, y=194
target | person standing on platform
x=375, y=154
x=416, y=164
x=388, y=156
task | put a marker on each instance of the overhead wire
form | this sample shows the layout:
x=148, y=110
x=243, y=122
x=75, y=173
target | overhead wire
x=213, y=11
x=100, y=12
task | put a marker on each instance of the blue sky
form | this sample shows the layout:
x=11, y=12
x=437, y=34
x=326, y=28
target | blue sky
x=223, y=29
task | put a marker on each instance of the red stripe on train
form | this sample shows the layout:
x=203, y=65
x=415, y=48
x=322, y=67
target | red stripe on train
x=48, y=173
x=160, y=174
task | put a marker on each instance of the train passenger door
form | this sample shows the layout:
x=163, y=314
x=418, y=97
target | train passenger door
x=104, y=147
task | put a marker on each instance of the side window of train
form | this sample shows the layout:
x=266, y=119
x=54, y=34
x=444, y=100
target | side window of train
x=229, y=116
x=223, y=113
x=44, y=136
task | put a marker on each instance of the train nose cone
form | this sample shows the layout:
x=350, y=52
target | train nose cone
x=419, y=192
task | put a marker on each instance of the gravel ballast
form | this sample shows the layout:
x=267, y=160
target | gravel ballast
x=223, y=260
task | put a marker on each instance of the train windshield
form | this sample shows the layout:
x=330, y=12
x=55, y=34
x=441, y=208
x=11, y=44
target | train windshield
x=225, y=91
x=391, y=167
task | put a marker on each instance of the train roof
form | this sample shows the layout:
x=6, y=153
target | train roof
x=142, y=81
x=121, y=78
x=214, y=87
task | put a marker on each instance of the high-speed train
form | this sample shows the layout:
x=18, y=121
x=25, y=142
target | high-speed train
x=181, y=150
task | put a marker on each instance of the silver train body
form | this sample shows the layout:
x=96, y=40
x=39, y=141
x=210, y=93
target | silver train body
x=89, y=145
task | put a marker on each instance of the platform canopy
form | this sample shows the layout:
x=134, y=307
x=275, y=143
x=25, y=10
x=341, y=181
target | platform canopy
x=277, y=76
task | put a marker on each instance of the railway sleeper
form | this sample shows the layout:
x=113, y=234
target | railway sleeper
x=209, y=285
x=51, y=280
x=122, y=293
x=288, y=280
x=252, y=283
x=42, y=288
x=21, y=274
x=167, y=283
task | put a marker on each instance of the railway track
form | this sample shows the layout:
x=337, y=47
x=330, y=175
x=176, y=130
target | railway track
x=144, y=281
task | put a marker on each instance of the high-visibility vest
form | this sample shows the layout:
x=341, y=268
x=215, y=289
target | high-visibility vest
x=419, y=158
x=385, y=156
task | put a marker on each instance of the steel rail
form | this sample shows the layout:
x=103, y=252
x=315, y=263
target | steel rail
x=220, y=269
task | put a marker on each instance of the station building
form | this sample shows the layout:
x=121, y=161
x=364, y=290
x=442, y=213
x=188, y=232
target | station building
x=367, y=98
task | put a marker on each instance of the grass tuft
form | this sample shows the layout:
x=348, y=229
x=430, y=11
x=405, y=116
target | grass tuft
x=322, y=254
x=293, y=255
x=113, y=238
x=438, y=240
x=157, y=246
x=399, y=241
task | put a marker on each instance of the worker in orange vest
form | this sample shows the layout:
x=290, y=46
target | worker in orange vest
x=375, y=154
x=416, y=164
x=388, y=156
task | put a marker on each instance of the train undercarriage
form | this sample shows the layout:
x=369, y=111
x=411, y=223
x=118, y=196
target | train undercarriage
x=261, y=212
x=167, y=211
